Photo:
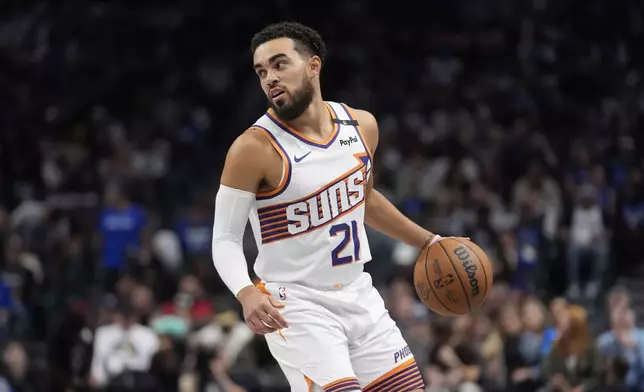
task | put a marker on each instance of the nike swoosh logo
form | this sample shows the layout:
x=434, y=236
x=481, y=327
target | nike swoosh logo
x=298, y=160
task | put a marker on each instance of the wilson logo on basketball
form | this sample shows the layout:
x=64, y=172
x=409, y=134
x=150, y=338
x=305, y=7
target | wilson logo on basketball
x=469, y=267
x=444, y=281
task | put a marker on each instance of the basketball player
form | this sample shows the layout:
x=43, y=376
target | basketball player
x=303, y=174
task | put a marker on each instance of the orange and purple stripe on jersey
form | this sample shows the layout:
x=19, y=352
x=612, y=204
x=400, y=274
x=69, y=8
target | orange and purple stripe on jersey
x=290, y=219
x=403, y=378
x=342, y=385
x=286, y=169
x=303, y=138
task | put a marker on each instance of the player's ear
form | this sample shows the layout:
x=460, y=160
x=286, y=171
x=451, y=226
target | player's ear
x=315, y=65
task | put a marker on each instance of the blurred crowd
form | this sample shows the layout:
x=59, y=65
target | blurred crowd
x=524, y=346
x=515, y=123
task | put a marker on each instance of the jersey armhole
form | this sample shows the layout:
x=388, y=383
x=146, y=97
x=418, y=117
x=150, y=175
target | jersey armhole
x=286, y=167
x=352, y=116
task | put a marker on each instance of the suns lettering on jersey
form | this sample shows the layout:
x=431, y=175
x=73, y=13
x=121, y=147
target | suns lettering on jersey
x=314, y=211
x=339, y=198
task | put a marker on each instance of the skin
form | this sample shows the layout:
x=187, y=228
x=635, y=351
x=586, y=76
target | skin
x=253, y=165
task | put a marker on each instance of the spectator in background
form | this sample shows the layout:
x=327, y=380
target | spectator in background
x=14, y=321
x=615, y=380
x=560, y=310
x=167, y=249
x=190, y=302
x=618, y=297
x=195, y=231
x=533, y=316
x=625, y=341
x=70, y=349
x=574, y=365
x=227, y=335
x=219, y=380
x=486, y=339
x=142, y=300
x=541, y=190
x=518, y=374
x=529, y=246
x=605, y=193
x=123, y=347
x=121, y=227
x=587, y=240
x=629, y=221
x=484, y=230
x=454, y=364
x=15, y=365
x=167, y=364
x=524, y=372
x=579, y=170
x=21, y=273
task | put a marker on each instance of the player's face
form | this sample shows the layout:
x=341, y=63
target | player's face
x=286, y=77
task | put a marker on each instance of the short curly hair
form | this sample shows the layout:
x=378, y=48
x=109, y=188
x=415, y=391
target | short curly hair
x=307, y=41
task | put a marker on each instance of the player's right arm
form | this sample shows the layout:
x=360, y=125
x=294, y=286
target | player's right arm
x=243, y=174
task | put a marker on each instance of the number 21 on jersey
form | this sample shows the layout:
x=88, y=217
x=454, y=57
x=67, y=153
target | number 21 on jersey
x=350, y=239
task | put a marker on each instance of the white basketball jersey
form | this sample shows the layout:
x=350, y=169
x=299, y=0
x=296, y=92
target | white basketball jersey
x=310, y=229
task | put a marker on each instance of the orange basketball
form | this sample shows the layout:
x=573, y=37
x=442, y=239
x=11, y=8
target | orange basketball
x=453, y=276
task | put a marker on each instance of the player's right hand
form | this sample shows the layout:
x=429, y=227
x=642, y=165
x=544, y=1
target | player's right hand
x=261, y=311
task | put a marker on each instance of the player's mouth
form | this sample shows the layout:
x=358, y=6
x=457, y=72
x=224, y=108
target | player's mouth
x=275, y=93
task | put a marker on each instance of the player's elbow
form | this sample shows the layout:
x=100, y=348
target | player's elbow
x=225, y=238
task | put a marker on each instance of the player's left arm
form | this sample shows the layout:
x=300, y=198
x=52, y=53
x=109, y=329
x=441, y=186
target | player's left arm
x=381, y=214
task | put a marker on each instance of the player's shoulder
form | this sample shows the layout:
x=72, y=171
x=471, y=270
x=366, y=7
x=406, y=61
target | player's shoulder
x=364, y=117
x=368, y=125
x=253, y=142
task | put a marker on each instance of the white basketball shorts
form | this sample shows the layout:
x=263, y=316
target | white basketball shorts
x=341, y=340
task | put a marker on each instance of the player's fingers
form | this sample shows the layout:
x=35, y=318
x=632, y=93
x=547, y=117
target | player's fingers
x=459, y=238
x=270, y=326
x=254, y=325
x=278, y=323
x=259, y=327
x=277, y=316
x=276, y=304
x=278, y=320
x=268, y=321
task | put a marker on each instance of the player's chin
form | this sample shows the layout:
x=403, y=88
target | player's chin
x=280, y=101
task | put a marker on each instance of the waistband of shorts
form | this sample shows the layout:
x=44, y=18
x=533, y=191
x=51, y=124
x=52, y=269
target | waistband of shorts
x=307, y=285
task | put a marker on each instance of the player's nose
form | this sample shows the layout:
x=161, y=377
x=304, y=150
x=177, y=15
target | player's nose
x=271, y=79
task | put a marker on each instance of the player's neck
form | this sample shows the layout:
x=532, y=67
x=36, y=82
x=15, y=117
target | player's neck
x=315, y=121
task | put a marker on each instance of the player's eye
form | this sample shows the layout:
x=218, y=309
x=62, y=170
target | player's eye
x=280, y=64
x=261, y=73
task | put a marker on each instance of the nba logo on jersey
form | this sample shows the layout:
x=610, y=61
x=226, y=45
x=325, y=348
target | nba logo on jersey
x=282, y=293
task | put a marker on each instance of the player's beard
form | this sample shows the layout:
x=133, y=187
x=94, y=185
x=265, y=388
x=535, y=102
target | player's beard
x=299, y=102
